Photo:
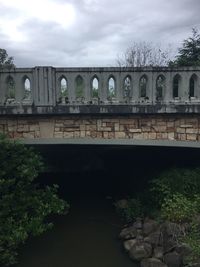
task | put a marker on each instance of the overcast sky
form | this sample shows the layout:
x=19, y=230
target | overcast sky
x=90, y=32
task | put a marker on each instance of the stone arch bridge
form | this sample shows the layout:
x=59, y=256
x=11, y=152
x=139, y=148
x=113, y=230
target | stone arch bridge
x=126, y=106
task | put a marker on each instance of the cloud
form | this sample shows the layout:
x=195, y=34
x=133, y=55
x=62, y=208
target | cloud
x=90, y=32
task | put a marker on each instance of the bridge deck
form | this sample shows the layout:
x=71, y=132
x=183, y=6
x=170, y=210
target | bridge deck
x=109, y=142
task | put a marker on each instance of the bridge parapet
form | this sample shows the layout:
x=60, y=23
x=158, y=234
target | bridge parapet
x=48, y=90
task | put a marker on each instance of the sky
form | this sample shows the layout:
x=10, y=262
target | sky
x=81, y=33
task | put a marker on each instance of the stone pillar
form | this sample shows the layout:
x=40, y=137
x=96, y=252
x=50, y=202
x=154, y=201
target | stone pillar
x=44, y=86
x=135, y=87
x=184, y=86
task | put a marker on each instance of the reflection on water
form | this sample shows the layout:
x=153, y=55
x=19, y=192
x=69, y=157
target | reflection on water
x=86, y=237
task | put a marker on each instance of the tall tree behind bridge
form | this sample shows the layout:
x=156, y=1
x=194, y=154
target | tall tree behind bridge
x=142, y=54
x=189, y=53
x=5, y=60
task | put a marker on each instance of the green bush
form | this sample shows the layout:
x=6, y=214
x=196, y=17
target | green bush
x=24, y=206
x=178, y=208
x=170, y=182
x=192, y=238
x=131, y=210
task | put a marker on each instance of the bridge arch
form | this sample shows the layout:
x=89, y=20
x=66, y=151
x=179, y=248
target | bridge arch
x=63, y=89
x=127, y=86
x=176, y=86
x=79, y=88
x=143, y=84
x=94, y=84
x=111, y=88
x=193, y=86
x=27, y=87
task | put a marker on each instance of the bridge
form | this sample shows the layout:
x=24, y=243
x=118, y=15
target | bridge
x=126, y=106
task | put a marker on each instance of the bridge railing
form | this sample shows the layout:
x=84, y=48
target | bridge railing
x=48, y=86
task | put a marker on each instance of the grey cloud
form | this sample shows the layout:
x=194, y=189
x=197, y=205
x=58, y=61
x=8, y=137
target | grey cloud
x=101, y=31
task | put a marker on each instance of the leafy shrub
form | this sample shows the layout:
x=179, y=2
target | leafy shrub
x=178, y=208
x=192, y=238
x=170, y=182
x=24, y=206
x=131, y=210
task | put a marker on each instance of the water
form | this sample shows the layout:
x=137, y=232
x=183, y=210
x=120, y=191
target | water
x=86, y=237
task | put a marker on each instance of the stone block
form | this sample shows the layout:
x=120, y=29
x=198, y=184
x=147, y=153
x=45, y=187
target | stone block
x=191, y=131
x=171, y=136
x=68, y=134
x=180, y=130
x=58, y=135
x=152, y=136
x=82, y=134
x=30, y=135
x=191, y=137
x=135, y=130
x=120, y=135
x=34, y=127
x=116, y=126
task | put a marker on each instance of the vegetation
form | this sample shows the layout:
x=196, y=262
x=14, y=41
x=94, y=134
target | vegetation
x=24, y=205
x=172, y=196
x=131, y=210
x=5, y=60
x=142, y=54
x=189, y=53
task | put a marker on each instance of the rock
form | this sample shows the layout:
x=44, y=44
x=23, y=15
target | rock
x=152, y=262
x=122, y=204
x=149, y=226
x=158, y=253
x=129, y=243
x=183, y=249
x=171, y=229
x=138, y=223
x=172, y=259
x=128, y=233
x=195, y=265
x=169, y=244
x=140, y=251
x=154, y=238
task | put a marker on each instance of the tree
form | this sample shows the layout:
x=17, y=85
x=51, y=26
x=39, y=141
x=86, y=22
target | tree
x=189, y=53
x=144, y=54
x=5, y=60
x=24, y=205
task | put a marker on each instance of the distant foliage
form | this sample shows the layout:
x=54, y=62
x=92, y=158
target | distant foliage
x=5, y=60
x=144, y=54
x=24, y=206
x=189, y=53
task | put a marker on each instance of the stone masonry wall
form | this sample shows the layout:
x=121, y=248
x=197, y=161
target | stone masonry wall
x=148, y=127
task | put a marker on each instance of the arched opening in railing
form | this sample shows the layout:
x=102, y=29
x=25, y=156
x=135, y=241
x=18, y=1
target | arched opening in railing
x=192, y=86
x=95, y=87
x=27, y=88
x=127, y=87
x=63, y=90
x=111, y=88
x=79, y=88
x=176, y=85
x=143, y=86
x=10, y=89
x=160, y=87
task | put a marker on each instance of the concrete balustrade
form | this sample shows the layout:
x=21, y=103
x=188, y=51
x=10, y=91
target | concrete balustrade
x=44, y=90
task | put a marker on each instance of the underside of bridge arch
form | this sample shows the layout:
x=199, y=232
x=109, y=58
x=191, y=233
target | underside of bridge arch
x=110, y=170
